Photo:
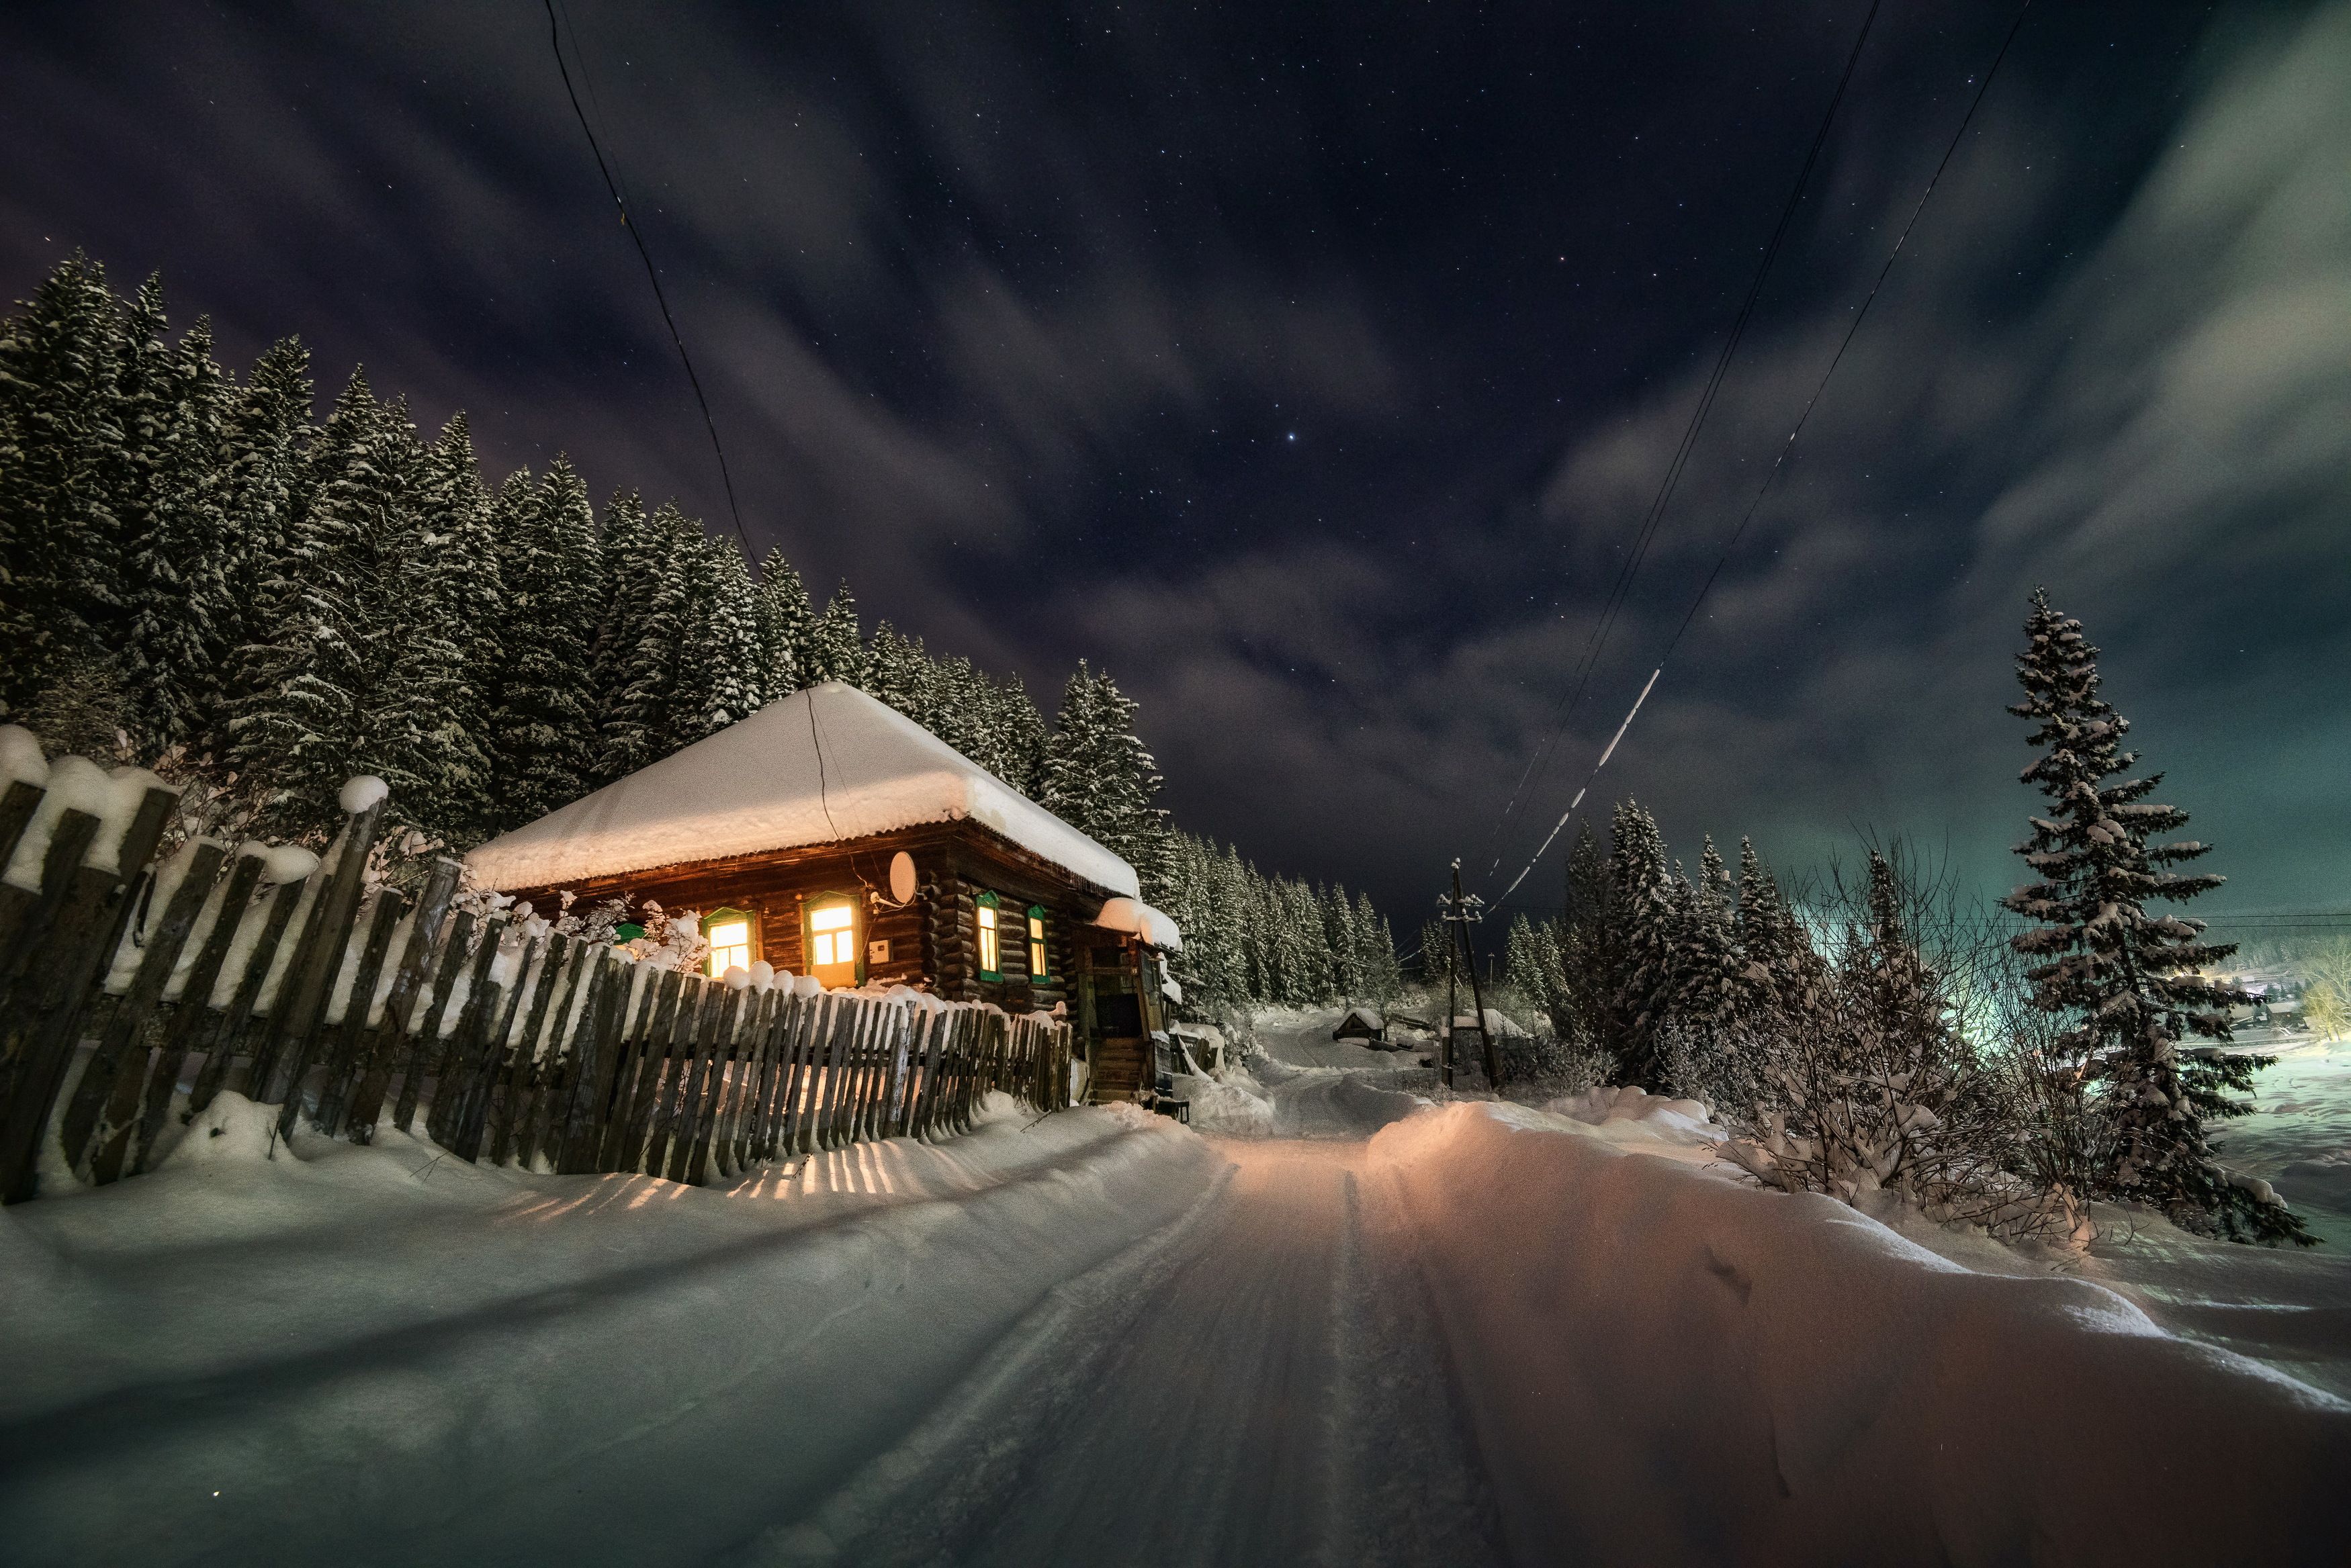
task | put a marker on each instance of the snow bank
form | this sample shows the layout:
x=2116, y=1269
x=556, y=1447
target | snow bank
x=1663, y=1366
x=1230, y=1107
x=821, y=767
x=1631, y=1114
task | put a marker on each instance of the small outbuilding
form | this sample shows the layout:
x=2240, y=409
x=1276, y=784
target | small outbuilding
x=830, y=835
x=1364, y=1024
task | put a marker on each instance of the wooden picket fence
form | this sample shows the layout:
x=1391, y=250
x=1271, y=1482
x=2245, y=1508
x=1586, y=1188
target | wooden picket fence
x=332, y=999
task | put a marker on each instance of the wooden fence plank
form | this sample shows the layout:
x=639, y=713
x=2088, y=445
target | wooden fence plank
x=16, y=808
x=625, y=1148
x=518, y=1067
x=538, y=1137
x=105, y=1105
x=408, y=991
x=345, y=1054
x=228, y=1036
x=452, y=1076
x=304, y=1022
x=80, y=942
x=595, y=1067
x=631, y=1056
x=688, y=1129
x=488, y=1079
x=194, y=1010
x=423, y=1055
x=697, y=1015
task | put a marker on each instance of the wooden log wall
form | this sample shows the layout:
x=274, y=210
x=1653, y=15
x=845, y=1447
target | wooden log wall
x=501, y=1040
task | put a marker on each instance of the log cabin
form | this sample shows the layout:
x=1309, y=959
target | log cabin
x=830, y=836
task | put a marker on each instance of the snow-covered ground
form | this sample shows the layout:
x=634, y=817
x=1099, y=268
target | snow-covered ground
x=1331, y=1324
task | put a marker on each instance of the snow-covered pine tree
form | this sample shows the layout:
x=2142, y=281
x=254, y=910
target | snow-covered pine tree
x=1375, y=955
x=1338, y=934
x=264, y=484
x=1709, y=988
x=955, y=704
x=2128, y=980
x=179, y=590
x=1022, y=737
x=635, y=552
x=1641, y=940
x=647, y=640
x=786, y=622
x=719, y=675
x=1440, y=959
x=61, y=455
x=364, y=668
x=899, y=672
x=456, y=606
x=836, y=649
x=1762, y=929
x=542, y=729
x=1530, y=967
x=1240, y=894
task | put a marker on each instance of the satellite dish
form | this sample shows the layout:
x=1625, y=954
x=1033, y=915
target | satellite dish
x=901, y=877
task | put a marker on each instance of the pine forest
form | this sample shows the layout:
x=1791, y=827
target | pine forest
x=199, y=575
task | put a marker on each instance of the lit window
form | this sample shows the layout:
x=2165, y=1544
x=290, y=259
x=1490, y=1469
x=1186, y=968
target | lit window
x=991, y=951
x=730, y=931
x=832, y=930
x=1038, y=972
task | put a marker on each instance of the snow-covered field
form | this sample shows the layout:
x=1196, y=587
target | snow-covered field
x=1331, y=1324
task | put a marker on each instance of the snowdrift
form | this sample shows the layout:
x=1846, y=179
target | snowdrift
x=1665, y=1366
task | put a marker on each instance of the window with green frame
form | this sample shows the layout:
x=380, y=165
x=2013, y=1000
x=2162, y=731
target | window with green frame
x=1040, y=966
x=991, y=938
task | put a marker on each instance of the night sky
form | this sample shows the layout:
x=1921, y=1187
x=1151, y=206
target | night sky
x=1311, y=367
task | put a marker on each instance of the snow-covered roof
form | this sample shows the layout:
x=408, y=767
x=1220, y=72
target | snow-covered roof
x=1132, y=915
x=821, y=767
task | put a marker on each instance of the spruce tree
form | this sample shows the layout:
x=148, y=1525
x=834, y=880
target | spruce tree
x=2127, y=981
x=720, y=677
x=836, y=649
x=61, y=466
x=640, y=680
x=786, y=625
x=367, y=671
x=263, y=483
x=898, y=673
x=635, y=552
x=1642, y=930
x=1709, y=972
x=543, y=736
x=179, y=589
x=456, y=605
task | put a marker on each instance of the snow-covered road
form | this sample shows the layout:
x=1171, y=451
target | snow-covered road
x=1382, y=1335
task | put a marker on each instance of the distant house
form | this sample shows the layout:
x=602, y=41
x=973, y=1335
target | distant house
x=830, y=835
x=1367, y=1023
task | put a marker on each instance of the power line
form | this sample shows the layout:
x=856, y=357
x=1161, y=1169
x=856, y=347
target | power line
x=1654, y=516
x=636, y=237
x=1787, y=447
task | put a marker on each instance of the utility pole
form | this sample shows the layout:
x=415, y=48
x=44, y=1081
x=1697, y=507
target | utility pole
x=1461, y=909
